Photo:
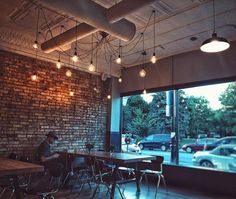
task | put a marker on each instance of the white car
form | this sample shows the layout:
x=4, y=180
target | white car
x=133, y=148
x=222, y=157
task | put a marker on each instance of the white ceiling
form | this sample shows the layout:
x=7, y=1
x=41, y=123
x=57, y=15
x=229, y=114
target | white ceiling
x=176, y=22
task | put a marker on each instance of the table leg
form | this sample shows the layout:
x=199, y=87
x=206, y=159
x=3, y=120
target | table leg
x=138, y=177
x=114, y=177
x=17, y=189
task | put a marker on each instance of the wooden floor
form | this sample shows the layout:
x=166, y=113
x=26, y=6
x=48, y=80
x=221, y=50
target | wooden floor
x=130, y=193
x=146, y=193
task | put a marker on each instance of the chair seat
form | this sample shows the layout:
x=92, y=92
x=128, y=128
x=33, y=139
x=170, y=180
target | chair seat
x=149, y=171
x=39, y=190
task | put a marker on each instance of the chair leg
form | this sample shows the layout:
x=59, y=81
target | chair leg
x=158, y=182
x=95, y=191
x=164, y=182
x=12, y=193
x=121, y=194
x=146, y=179
x=3, y=191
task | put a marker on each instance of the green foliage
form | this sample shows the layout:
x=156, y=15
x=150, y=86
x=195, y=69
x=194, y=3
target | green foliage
x=136, y=116
x=195, y=115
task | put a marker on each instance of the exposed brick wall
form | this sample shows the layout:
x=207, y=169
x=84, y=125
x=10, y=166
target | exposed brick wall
x=28, y=109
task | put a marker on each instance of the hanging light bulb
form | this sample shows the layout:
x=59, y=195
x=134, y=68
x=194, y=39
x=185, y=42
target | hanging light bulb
x=68, y=73
x=35, y=45
x=153, y=59
x=58, y=64
x=91, y=67
x=142, y=73
x=120, y=79
x=108, y=96
x=71, y=93
x=75, y=56
x=118, y=60
x=144, y=92
x=34, y=77
x=215, y=43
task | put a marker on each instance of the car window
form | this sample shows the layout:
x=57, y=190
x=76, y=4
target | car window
x=224, y=141
x=224, y=151
x=232, y=141
x=200, y=142
x=150, y=137
x=210, y=141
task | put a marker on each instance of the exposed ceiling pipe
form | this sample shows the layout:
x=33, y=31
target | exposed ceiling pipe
x=94, y=15
x=67, y=37
x=82, y=10
x=124, y=8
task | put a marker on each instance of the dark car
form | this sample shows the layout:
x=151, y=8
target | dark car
x=156, y=141
x=224, y=140
x=198, y=145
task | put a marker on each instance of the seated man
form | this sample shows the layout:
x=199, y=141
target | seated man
x=49, y=160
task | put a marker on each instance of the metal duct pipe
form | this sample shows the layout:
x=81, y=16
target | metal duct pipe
x=124, y=8
x=94, y=15
x=67, y=37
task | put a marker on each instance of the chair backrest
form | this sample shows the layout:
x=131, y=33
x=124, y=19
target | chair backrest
x=56, y=176
x=13, y=156
x=157, y=163
x=77, y=163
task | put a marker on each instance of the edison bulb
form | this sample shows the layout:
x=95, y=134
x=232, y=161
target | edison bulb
x=91, y=67
x=71, y=93
x=108, y=96
x=34, y=77
x=58, y=64
x=142, y=73
x=118, y=60
x=153, y=59
x=75, y=57
x=35, y=45
x=120, y=79
x=68, y=73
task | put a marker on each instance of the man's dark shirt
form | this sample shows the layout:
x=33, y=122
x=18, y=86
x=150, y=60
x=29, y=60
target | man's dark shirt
x=44, y=150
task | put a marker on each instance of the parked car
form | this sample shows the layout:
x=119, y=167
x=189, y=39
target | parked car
x=201, y=136
x=224, y=140
x=198, y=145
x=132, y=148
x=156, y=141
x=222, y=157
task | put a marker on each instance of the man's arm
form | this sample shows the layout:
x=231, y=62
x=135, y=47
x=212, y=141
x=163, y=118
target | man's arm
x=45, y=159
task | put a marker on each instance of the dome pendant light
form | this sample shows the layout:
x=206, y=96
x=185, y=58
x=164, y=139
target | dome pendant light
x=215, y=43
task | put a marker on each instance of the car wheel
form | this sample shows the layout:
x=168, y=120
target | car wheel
x=189, y=149
x=206, y=163
x=141, y=146
x=163, y=147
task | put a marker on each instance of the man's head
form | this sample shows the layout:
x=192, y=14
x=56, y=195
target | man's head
x=51, y=137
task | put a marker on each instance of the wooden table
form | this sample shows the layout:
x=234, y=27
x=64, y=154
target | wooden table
x=9, y=167
x=117, y=159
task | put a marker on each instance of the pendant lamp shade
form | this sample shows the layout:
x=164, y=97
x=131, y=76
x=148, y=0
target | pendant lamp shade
x=215, y=44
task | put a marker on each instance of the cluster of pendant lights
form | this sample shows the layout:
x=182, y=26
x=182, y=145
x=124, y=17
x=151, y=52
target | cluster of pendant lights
x=211, y=45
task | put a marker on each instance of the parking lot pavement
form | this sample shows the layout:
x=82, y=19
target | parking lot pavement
x=185, y=159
